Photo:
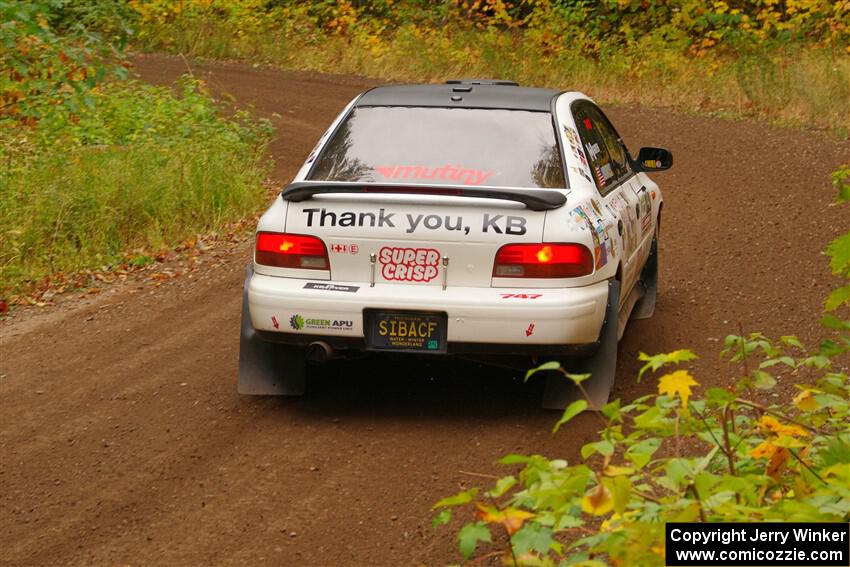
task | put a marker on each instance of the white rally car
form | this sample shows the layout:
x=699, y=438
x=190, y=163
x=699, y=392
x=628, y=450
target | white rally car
x=474, y=218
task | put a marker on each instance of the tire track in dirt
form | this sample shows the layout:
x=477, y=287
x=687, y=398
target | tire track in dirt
x=123, y=441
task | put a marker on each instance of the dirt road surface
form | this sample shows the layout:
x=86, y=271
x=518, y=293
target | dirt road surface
x=123, y=441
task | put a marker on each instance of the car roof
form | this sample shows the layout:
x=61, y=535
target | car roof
x=461, y=95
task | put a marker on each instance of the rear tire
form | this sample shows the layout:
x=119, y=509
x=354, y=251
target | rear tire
x=649, y=278
x=602, y=366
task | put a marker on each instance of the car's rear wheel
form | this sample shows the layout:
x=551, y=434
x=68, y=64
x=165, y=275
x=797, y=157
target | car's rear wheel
x=649, y=280
x=602, y=365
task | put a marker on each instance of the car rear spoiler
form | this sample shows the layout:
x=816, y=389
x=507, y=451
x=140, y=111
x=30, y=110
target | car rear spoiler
x=534, y=199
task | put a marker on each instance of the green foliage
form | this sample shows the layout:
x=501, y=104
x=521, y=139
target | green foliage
x=756, y=462
x=43, y=70
x=684, y=455
x=140, y=169
x=94, y=165
x=780, y=60
x=839, y=249
x=657, y=361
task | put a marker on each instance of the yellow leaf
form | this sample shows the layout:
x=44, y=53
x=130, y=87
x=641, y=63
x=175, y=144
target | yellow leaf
x=764, y=450
x=614, y=470
x=772, y=424
x=511, y=518
x=677, y=383
x=776, y=464
x=805, y=401
x=598, y=501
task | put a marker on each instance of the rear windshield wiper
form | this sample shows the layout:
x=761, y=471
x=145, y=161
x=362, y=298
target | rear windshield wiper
x=534, y=199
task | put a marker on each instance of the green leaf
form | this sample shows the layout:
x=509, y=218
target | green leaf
x=791, y=340
x=839, y=253
x=657, y=361
x=786, y=360
x=442, y=518
x=502, y=486
x=611, y=410
x=641, y=453
x=470, y=535
x=762, y=380
x=651, y=419
x=605, y=448
x=572, y=410
x=678, y=470
x=532, y=537
x=458, y=499
x=578, y=378
x=837, y=298
x=551, y=365
x=833, y=322
x=841, y=181
x=516, y=460
x=622, y=490
x=719, y=395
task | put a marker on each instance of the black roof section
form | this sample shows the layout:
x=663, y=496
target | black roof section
x=461, y=95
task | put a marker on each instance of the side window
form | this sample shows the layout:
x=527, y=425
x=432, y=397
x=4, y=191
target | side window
x=608, y=159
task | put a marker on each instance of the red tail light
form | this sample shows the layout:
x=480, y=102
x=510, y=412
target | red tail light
x=543, y=261
x=291, y=251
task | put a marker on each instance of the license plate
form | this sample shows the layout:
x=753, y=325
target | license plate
x=406, y=331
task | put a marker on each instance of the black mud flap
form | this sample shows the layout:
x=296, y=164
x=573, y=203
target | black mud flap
x=649, y=277
x=267, y=369
x=602, y=366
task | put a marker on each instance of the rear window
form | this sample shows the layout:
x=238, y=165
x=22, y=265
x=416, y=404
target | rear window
x=444, y=146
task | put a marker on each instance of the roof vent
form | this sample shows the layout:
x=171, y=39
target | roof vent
x=482, y=82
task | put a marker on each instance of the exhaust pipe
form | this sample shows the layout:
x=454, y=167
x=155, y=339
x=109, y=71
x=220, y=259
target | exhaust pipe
x=318, y=352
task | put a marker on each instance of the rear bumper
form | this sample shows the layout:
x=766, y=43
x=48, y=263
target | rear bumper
x=531, y=321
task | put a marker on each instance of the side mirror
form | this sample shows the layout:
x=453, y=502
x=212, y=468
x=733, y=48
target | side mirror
x=654, y=159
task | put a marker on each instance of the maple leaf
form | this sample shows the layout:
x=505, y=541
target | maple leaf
x=772, y=424
x=677, y=383
x=764, y=450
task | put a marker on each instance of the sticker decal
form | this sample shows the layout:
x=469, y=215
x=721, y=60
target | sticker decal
x=521, y=295
x=298, y=322
x=575, y=145
x=599, y=176
x=331, y=287
x=596, y=208
x=582, y=173
x=275, y=324
x=409, y=264
x=601, y=255
x=446, y=173
x=337, y=248
x=530, y=330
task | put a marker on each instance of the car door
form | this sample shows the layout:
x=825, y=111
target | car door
x=616, y=183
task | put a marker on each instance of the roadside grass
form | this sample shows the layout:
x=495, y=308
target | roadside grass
x=787, y=83
x=141, y=169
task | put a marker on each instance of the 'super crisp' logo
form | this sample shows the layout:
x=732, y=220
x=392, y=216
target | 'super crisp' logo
x=409, y=264
x=296, y=322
